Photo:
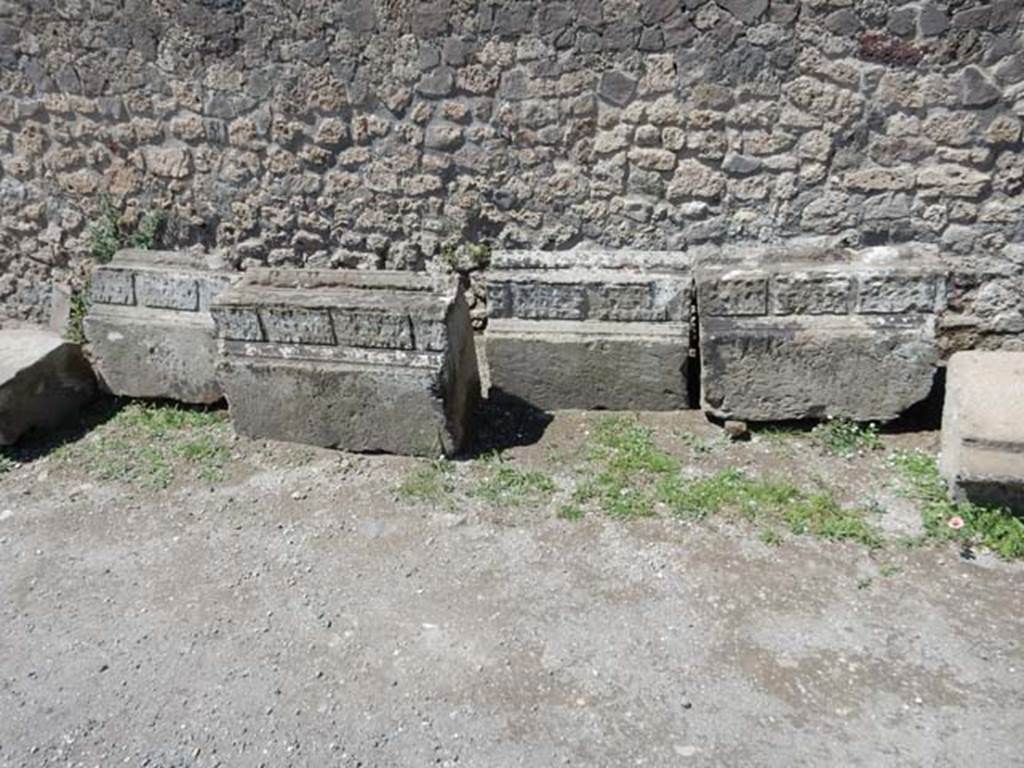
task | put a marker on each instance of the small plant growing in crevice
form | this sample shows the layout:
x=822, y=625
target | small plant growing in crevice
x=78, y=309
x=466, y=257
x=105, y=233
x=107, y=236
x=147, y=232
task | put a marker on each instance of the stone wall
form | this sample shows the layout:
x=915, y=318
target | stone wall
x=372, y=132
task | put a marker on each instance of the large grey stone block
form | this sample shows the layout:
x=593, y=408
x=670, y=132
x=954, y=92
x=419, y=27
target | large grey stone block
x=983, y=428
x=43, y=380
x=805, y=331
x=149, y=326
x=590, y=329
x=619, y=366
x=365, y=361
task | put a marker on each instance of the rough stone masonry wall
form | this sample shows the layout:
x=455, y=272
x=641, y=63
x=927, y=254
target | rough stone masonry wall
x=371, y=132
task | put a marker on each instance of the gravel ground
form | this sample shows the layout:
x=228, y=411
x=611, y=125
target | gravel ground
x=298, y=610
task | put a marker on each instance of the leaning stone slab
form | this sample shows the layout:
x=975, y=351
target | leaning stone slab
x=805, y=331
x=149, y=325
x=364, y=361
x=43, y=380
x=590, y=329
x=983, y=428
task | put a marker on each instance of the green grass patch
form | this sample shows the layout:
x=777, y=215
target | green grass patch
x=767, y=502
x=778, y=434
x=730, y=490
x=698, y=445
x=7, y=464
x=842, y=437
x=820, y=515
x=505, y=485
x=770, y=536
x=430, y=481
x=627, y=445
x=630, y=464
x=945, y=520
x=570, y=512
x=148, y=444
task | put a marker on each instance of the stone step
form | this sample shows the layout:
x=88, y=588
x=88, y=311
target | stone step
x=149, y=326
x=362, y=361
x=554, y=365
x=797, y=332
x=983, y=428
x=590, y=329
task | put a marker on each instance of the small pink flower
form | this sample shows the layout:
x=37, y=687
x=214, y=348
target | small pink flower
x=956, y=522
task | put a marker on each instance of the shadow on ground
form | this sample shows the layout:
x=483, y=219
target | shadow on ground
x=39, y=444
x=505, y=421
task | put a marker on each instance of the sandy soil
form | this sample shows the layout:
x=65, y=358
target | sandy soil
x=301, y=611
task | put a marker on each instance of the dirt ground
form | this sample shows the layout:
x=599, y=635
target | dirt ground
x=302, y=607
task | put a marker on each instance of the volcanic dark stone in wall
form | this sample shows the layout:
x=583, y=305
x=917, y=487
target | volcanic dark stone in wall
x=385, y=132
x=617, y=87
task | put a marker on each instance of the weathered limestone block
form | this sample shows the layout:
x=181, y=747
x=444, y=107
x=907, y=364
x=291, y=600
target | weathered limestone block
x=43, y=380
x=365, y=361
x=149, y=325
x=806, y=331
x=590, y=329
x=983, y=428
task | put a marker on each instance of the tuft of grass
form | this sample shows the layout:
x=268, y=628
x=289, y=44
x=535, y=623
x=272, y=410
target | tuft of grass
x=994, y=528
x=430, y=481
x=770, y=536
x=820, y=515
x=778, y=434
x=631, y=466
x=843, y=437
x=627, y=445
x=570, y=512
x=505, y=485
x=146, y=444
x=767, y=502
x=729, y=489
x=7, y=464
x=699, y=445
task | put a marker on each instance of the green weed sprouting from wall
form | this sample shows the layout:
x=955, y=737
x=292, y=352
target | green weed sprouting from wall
x=466, y=257
x=147, y=233
x=105, y=232
x=107, y=236
x=78, y=309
